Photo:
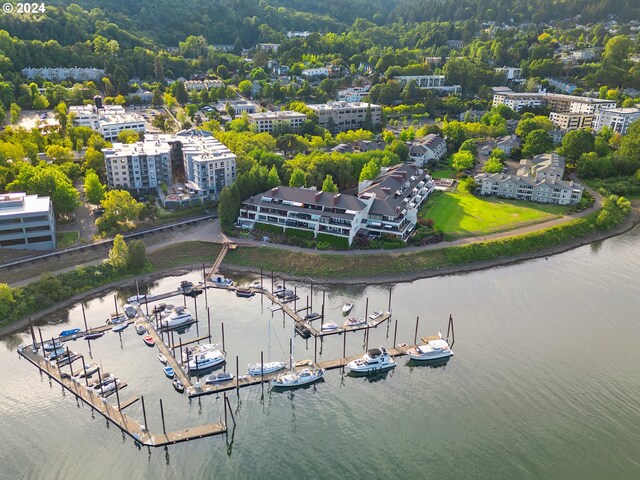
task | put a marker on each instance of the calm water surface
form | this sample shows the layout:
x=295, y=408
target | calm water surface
x=545, y=383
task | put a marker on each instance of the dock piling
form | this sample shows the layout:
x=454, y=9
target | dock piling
x=84, y=368
x=41, y=341
x=395, y=333
x=262, y=368
x=311, y=295
x=344, y=345
x=209, y=322
x=117, y=394
x=366, y=309
x=315, y=349
x=415, y=337
x=84, y=317
x=204, y=284
x=115, y=302
x=144, y=413
x=237, y=375
x=164, y=428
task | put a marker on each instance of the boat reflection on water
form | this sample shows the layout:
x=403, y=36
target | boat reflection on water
x=371, y=377
x=437, y=363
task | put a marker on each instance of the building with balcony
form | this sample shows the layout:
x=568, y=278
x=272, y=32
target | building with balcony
x=512, y=74
x=387, y=205
x=571, y=121
x=431, y=147
x=27, y=222
x=61, y=73
x=353, y=94
x=617, y=119
x=538, y=179
x=430, y=82
x=264, y=121
x=556, y=102
x=108, y=120
x=341, y=116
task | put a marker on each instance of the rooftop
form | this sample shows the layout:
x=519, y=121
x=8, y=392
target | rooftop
x=20, y=203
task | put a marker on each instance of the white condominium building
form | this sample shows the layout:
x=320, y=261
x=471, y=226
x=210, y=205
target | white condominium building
x=431, y=82
x=27, y=222
x=341, y=116
x=108, y=120
x=61, y=73
x=264, y=120
x=138, y=166
x=617, y=119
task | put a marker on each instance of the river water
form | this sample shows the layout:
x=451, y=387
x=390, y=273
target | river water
x=545, y=383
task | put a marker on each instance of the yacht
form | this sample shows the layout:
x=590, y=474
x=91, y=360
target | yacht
x=347, y=307
x=355, y=322
x=375, y=360
x=269, y=367
x=433, y=350
x=297, y=379
x=88, y=370
x=190, y=351
x=179, y=316
x=376, y=314
x=329, y=326
x=93, y=335
x=109, y=388
x=53, y=345
x=205, y=360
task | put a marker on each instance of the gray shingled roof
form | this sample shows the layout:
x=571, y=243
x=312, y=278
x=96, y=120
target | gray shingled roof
x=310, y=197
x=385, y=186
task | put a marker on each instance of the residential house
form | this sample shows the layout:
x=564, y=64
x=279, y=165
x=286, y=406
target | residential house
x=430, y=147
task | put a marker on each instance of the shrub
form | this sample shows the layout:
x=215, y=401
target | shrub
x=337, y=242
x=267, y=227
x=296, y=232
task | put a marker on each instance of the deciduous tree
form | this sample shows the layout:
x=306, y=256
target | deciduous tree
x=94, y=190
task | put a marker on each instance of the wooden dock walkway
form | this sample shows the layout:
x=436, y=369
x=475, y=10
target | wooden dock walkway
x=116, y=416
x=216, y=265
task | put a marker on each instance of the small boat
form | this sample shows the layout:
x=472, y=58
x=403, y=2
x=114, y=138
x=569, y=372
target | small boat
x=56, y=353
x=205, y=360
x=347, y=307
x=297, y=379
x=329, y=326
x=219, y=378
x=284, y=293
x=115, y=319
x=185, y=286
x=355, y=322
x=303, y=363
x=120, y=327
x=433, y=350
x=140, y=328
x=255, y=284
x=191, y=351
x=88, y=370
x=109, y=388
x=162, y=358
x=149, y=341
x=93, y=335
x=129, y=310
x=311, y=316
x=179, y=316
x=169, y=372
x=275, y=308
x=137, y=299
x=159, y=308
x=52, y=345
x=178, y=385
x=244, y=293
x=66, y=359
x=270, y=367
x=104, y=379
x=302, y=330
x=68, y=333
x=376, y=314
x=375, y=360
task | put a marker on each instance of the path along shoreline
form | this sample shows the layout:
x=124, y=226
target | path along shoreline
x=629, y=223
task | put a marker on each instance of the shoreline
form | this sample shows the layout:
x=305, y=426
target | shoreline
x=628, y=224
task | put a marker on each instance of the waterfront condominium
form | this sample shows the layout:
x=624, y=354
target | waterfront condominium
x=27, y=222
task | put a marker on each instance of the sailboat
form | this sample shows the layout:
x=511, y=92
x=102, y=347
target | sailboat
x=298, y=378
x=269, y=367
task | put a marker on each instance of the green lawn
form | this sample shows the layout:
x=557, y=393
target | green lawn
x=460, y=214
x=446, y=173
x=66, y=239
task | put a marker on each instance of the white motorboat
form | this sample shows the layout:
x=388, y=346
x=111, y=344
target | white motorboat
x=205, y=360
x=297, y=379
x=109, y=388
x=375, y=360
x=329, y=326
x=269, y=367
x=88, y=370
x=347, y=307
x=58, y=352
x=137, y=299
x=116, y=318
x=140, y=328
x=190, y=351
x=219, y=378
x=376, y=314
x=355, y=322
x=433, y=350
x=53, y=345
x=162, y=358
x=178, y=317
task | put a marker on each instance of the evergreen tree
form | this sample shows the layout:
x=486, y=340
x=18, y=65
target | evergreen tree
x=328, y=185
x=229, y=207
x=368, y=119
x=181, y=93
x=119, y=253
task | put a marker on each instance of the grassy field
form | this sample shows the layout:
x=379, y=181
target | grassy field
x=66, y=239
x=447, y=173
x=461, y=214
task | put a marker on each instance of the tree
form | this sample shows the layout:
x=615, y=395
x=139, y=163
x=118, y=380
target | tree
x=137, y=259
x=229, y=207
x=630, y=144
x=399, y=148
x=298, y=178
x=169, y=100
x=40, y=102
x=462, y=160
x=161, y=121
x=245, y=88
x=369, y=171
x=222, y=72
x=94, y=190
x=328, y=185
x=128, y=136
x=60, y=112
x=120, y=210
x=528, y=125
x=15, y=111
x=119, y=253
x=181, y=93
x=7, y=300
x=273, y=180
x=157, y=100
x=469, y=146
x=537, y=142
x=493, y=165
x=577, y=142
x=289, y=144
x=368, y=120
x=59, y=154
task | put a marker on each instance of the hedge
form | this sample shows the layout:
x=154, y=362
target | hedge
x=338, y=242
x=267, y=227
x=297, y=232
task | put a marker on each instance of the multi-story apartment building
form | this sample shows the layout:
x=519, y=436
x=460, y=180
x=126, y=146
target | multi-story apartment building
x=198, y=85
x=617, y=119
x=61, y=73
x=27, y=222
x=239, y=106
x=315, y=72
x=512, y=74
x=556, y=102
x=353, y=94
x=200, y=162
x=341, y=116
x=264, y=120
x=571, y=121
x=538, y=180
x=108, y=120
x=431, y=147
x=431, y=82
x=387, y=205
